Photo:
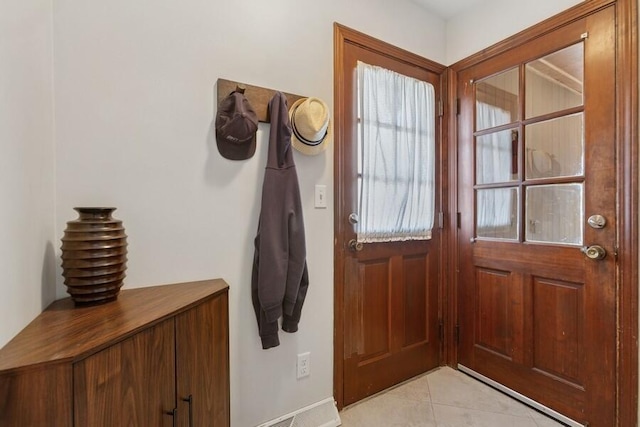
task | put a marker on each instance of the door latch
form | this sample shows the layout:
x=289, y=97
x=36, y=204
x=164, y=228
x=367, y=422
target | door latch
x=355, y=246
x=594, y=252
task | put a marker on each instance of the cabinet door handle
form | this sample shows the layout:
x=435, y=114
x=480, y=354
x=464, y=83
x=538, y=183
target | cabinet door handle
x=174, y=414
x=190, y=400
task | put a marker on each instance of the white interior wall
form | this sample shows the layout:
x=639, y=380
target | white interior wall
x=489, y=22
x=26, y=163
x=135, y=100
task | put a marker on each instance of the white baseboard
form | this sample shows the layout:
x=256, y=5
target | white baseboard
x=320, y=414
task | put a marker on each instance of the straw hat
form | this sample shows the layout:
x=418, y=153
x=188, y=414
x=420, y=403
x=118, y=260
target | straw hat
x=311, y=126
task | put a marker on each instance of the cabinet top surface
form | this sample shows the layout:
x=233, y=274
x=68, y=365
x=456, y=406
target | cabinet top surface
x=64, y=333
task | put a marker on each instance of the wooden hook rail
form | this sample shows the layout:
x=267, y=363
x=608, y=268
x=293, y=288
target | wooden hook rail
x=258, y=97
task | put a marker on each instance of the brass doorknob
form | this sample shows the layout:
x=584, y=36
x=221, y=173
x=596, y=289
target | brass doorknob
x=355, y=246
x=594, y=252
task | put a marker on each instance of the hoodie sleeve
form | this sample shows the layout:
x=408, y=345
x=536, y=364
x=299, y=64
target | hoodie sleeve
x=297, y=251
x=274, y=254
x=290, y=322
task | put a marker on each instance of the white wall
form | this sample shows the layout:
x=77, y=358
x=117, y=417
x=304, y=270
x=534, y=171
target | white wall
x=134, y=105
x=26, y=163
x=485, y=24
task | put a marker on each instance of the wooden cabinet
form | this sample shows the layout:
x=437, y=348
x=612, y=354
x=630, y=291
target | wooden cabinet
x=154, y=354
x=131, y=383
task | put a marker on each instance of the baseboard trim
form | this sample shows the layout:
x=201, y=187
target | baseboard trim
x=320, y=414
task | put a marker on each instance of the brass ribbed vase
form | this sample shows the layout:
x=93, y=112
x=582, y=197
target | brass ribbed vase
x=94, y=256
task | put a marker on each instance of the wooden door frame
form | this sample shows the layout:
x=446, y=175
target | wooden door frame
x=342, y=36
x=627, y=189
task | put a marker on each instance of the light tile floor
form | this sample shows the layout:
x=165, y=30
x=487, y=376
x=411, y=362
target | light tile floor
x=443, y=398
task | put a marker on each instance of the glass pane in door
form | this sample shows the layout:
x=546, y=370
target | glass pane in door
x=497, y=213
x=555, y=148
x=555, y=213
x=555, y=82
x=497, y=99
x=497, y=157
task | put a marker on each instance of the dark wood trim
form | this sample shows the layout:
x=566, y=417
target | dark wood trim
x=339, y=40
x=443, y=170
x=342, y=36
x=627, y=130
x=450, y=235
x=367, y=42
x=564, y=18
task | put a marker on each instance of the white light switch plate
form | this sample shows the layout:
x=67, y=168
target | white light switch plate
x=321, y=197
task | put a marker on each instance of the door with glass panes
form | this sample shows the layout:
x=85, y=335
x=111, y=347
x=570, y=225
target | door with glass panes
x=537, y=241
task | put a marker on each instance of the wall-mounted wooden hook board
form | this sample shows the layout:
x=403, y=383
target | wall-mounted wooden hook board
x=258, y=97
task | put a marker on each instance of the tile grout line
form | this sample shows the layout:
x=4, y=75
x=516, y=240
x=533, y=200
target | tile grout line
x=433, y=410
x=413, y=395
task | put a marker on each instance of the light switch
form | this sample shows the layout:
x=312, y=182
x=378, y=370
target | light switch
x=321, y=197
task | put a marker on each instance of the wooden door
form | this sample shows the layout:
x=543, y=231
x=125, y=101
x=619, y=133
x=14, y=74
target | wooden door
x=387, y=308
x=536, y=162
x=202, y=364
x=131, y=383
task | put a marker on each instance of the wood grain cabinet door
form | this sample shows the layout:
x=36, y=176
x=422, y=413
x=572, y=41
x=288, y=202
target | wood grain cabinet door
x=202, y=364
x=131, y=383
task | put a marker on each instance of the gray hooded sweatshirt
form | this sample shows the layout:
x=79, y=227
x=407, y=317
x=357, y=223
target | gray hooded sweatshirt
x=280, y=279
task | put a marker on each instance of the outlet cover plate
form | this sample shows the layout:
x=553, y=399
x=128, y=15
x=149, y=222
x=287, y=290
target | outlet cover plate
x=304, y=365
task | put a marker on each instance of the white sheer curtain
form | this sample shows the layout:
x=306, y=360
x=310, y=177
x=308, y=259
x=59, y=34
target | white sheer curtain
x=396, y=151
x=493, y=165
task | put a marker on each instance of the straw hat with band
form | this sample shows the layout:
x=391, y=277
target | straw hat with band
x=311, y=126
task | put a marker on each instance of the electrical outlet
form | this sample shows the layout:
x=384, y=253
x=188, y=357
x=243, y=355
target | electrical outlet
x=304, y=366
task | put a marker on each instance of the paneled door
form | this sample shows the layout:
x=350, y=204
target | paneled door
x=387, y=235
x=537, y=201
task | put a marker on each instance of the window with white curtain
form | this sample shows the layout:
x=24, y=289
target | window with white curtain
x=494, y=165
x=396, y=156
